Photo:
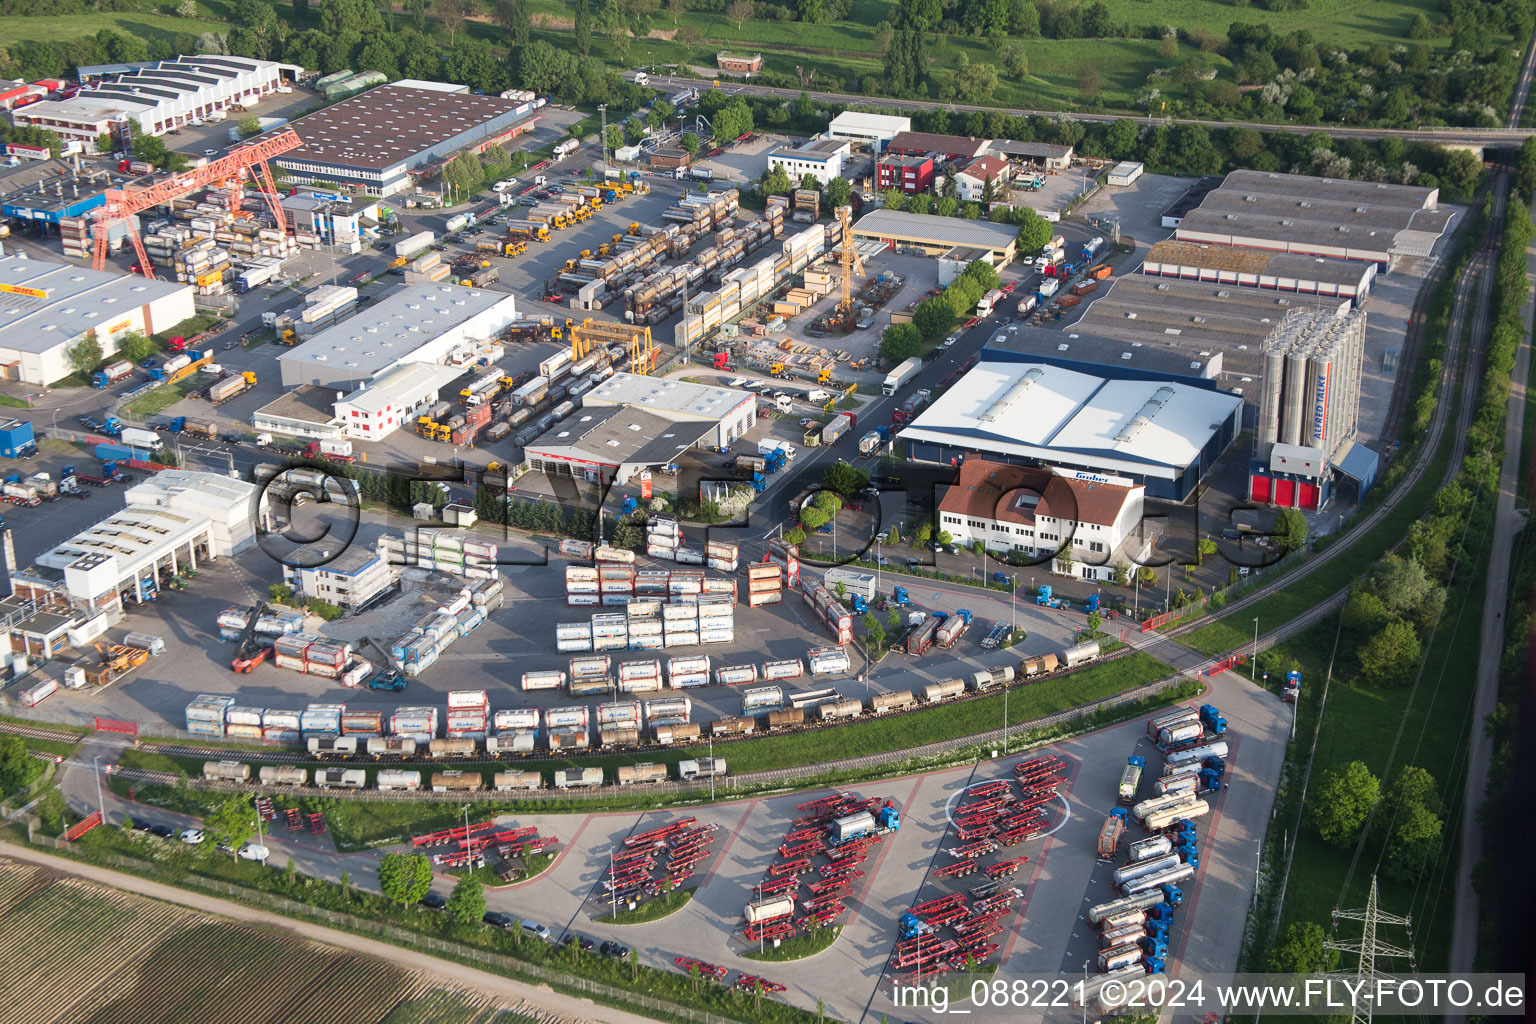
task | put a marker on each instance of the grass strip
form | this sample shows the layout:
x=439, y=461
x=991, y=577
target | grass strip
x=801, y=946
x=665, y=905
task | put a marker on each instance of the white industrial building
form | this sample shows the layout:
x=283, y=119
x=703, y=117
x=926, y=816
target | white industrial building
x=1158, y=434
x=393, y=400
x=46, y=309
x=354, y=577
x=631, y=423
x=822, y=159
x=155, y=98
x=873, y=129
x=420, y=323
x=1309, y=410
x=1084, y=524
x=971, y=183
x=937, y=235
x=175, y=517
x=1126, y=172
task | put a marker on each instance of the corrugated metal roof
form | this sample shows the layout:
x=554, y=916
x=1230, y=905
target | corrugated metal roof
x=933, y=230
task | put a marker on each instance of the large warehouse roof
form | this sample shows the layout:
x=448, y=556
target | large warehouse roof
x=671, y=398
x=43, y=304
x=1196, y=317
x=1340, y=190
x=931, y=230
x=1074, y=348
x=1254, y=267
x=617, y=435
x=387, y=126
x=391, y=330
x=1034, y=410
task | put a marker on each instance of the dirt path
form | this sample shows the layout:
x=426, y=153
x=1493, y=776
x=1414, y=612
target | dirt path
x=558, y=1005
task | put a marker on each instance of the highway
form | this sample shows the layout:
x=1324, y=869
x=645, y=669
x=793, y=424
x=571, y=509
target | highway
x=1512, y=136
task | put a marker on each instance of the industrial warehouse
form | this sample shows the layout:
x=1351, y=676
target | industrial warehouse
x=381, y=142
x=155, y=98
x=1251, y=268
x=46, y=309
x=418, y=323
x=631, y=423
x=1353, y=220
x=935, y=235
x=1163, y=436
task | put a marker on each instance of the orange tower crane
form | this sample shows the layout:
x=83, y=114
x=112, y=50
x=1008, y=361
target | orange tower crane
x=247, y=162
x=852, y=263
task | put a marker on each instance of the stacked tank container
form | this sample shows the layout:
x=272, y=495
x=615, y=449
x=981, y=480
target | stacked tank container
x=581, y=585
x=640, y=676
x=205, y=715
x=417, y=722
x=468, y=712
x=722, y=557
x=644, y=623
x=610, y=631
x=788, y=668
x=680, y=623
x=279, y=726
x=567, y=728
x=663, y=538
x=573, y=637
x=686, y=672
x=321, y=720
x=515, y=731
x=765, y=584
x=826, y=661
x=652, y=582
x=717, y=619
x=243, y=723
x=787, y=556
x=616, y=584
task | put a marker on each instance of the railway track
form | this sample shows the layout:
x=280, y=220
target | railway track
x=32, y=732
x=1476, y=277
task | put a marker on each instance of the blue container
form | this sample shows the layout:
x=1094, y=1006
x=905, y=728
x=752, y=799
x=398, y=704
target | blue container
x=107, y=452
x=17, y=439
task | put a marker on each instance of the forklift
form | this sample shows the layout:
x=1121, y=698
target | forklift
x=248, y=651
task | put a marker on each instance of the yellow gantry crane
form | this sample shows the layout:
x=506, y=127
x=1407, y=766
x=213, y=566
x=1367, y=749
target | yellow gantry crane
x=635, y=338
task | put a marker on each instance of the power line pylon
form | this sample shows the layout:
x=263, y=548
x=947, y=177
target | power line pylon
x=1370, y=949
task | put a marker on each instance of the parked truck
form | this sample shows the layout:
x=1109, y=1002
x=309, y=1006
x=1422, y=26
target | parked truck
x=222, y=391
x=112, y=373
x=904, y=372
x=870, y=443
x=1026, y=304
x=1130, y=779
x=1110, y=833
x=920, y=639
x=953, y=628
x=884, y=819
x=140, y=438
x=840, y=425
x=257, y=274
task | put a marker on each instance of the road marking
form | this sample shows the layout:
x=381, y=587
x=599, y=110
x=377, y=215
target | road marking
x=719, y=855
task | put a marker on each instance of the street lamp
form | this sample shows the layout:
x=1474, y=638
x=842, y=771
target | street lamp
x=101, y=808
x=1253, y=667
x=1014, y=613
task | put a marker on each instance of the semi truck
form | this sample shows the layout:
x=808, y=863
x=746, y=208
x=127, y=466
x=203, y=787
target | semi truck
x=1110, y=833
x=1130, y=779
x=222, y=391
x=904, y=372
x=565, y=148
x=840, y=425
x=856, y=826
x=989, y=302
x=258, y=273
x=112, y=373
x=140, y=438
x=953, y=628
x=1026, y=304
x=870, y=443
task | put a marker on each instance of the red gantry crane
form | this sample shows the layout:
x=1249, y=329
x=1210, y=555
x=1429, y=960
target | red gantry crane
x=247, y=162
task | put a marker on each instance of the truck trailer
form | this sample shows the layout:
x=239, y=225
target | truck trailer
x=904, y=372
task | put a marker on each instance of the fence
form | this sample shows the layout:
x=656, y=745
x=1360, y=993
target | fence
x=498, y=963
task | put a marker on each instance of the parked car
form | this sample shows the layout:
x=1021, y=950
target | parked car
x=192, y=836
x=617, y=950
x=534, y=930
x=255, y=852
x=496, y=919
x=913, y=563
x=432, y=901
x=581, y=940
x=163, y=831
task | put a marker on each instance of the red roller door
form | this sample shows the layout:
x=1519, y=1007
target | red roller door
x=1285, y=493
x=1307, y=496
x=1258, y=486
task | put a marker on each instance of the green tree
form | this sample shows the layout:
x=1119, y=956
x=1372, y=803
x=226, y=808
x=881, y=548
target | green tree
x=874, y=634
x=466, y=904
x=1390, y=657
x=1300, y=951
x=843, y=478
x=895, y=199
x=839, y=191
x=1205, y=549
x=813, y=518
x=1343, y=802
x=795, y=536
x=1414, y=842
x=934, y=317
x=1015, y=60
x=1364, y=612
x=512, y=17
x=615, y=136
x=86, y=354
x=1035, y=232
x=982, y=273
x=17, y=767
x=893, y=617
x=900, y=341
x=104, y=143
x=405, y=877
x=691, y=145
x=232, y=823
x=1122, y=137
x=248, y=126
x=1525, y=167
x=583, y=28
x=829, y=502
x=947, y=206
x=775, y=181
x=282, y=593
x=1290, y=530
x=922, y=534
x=1406, y=589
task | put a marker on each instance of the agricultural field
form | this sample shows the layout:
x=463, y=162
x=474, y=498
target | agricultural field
x=73, y=951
